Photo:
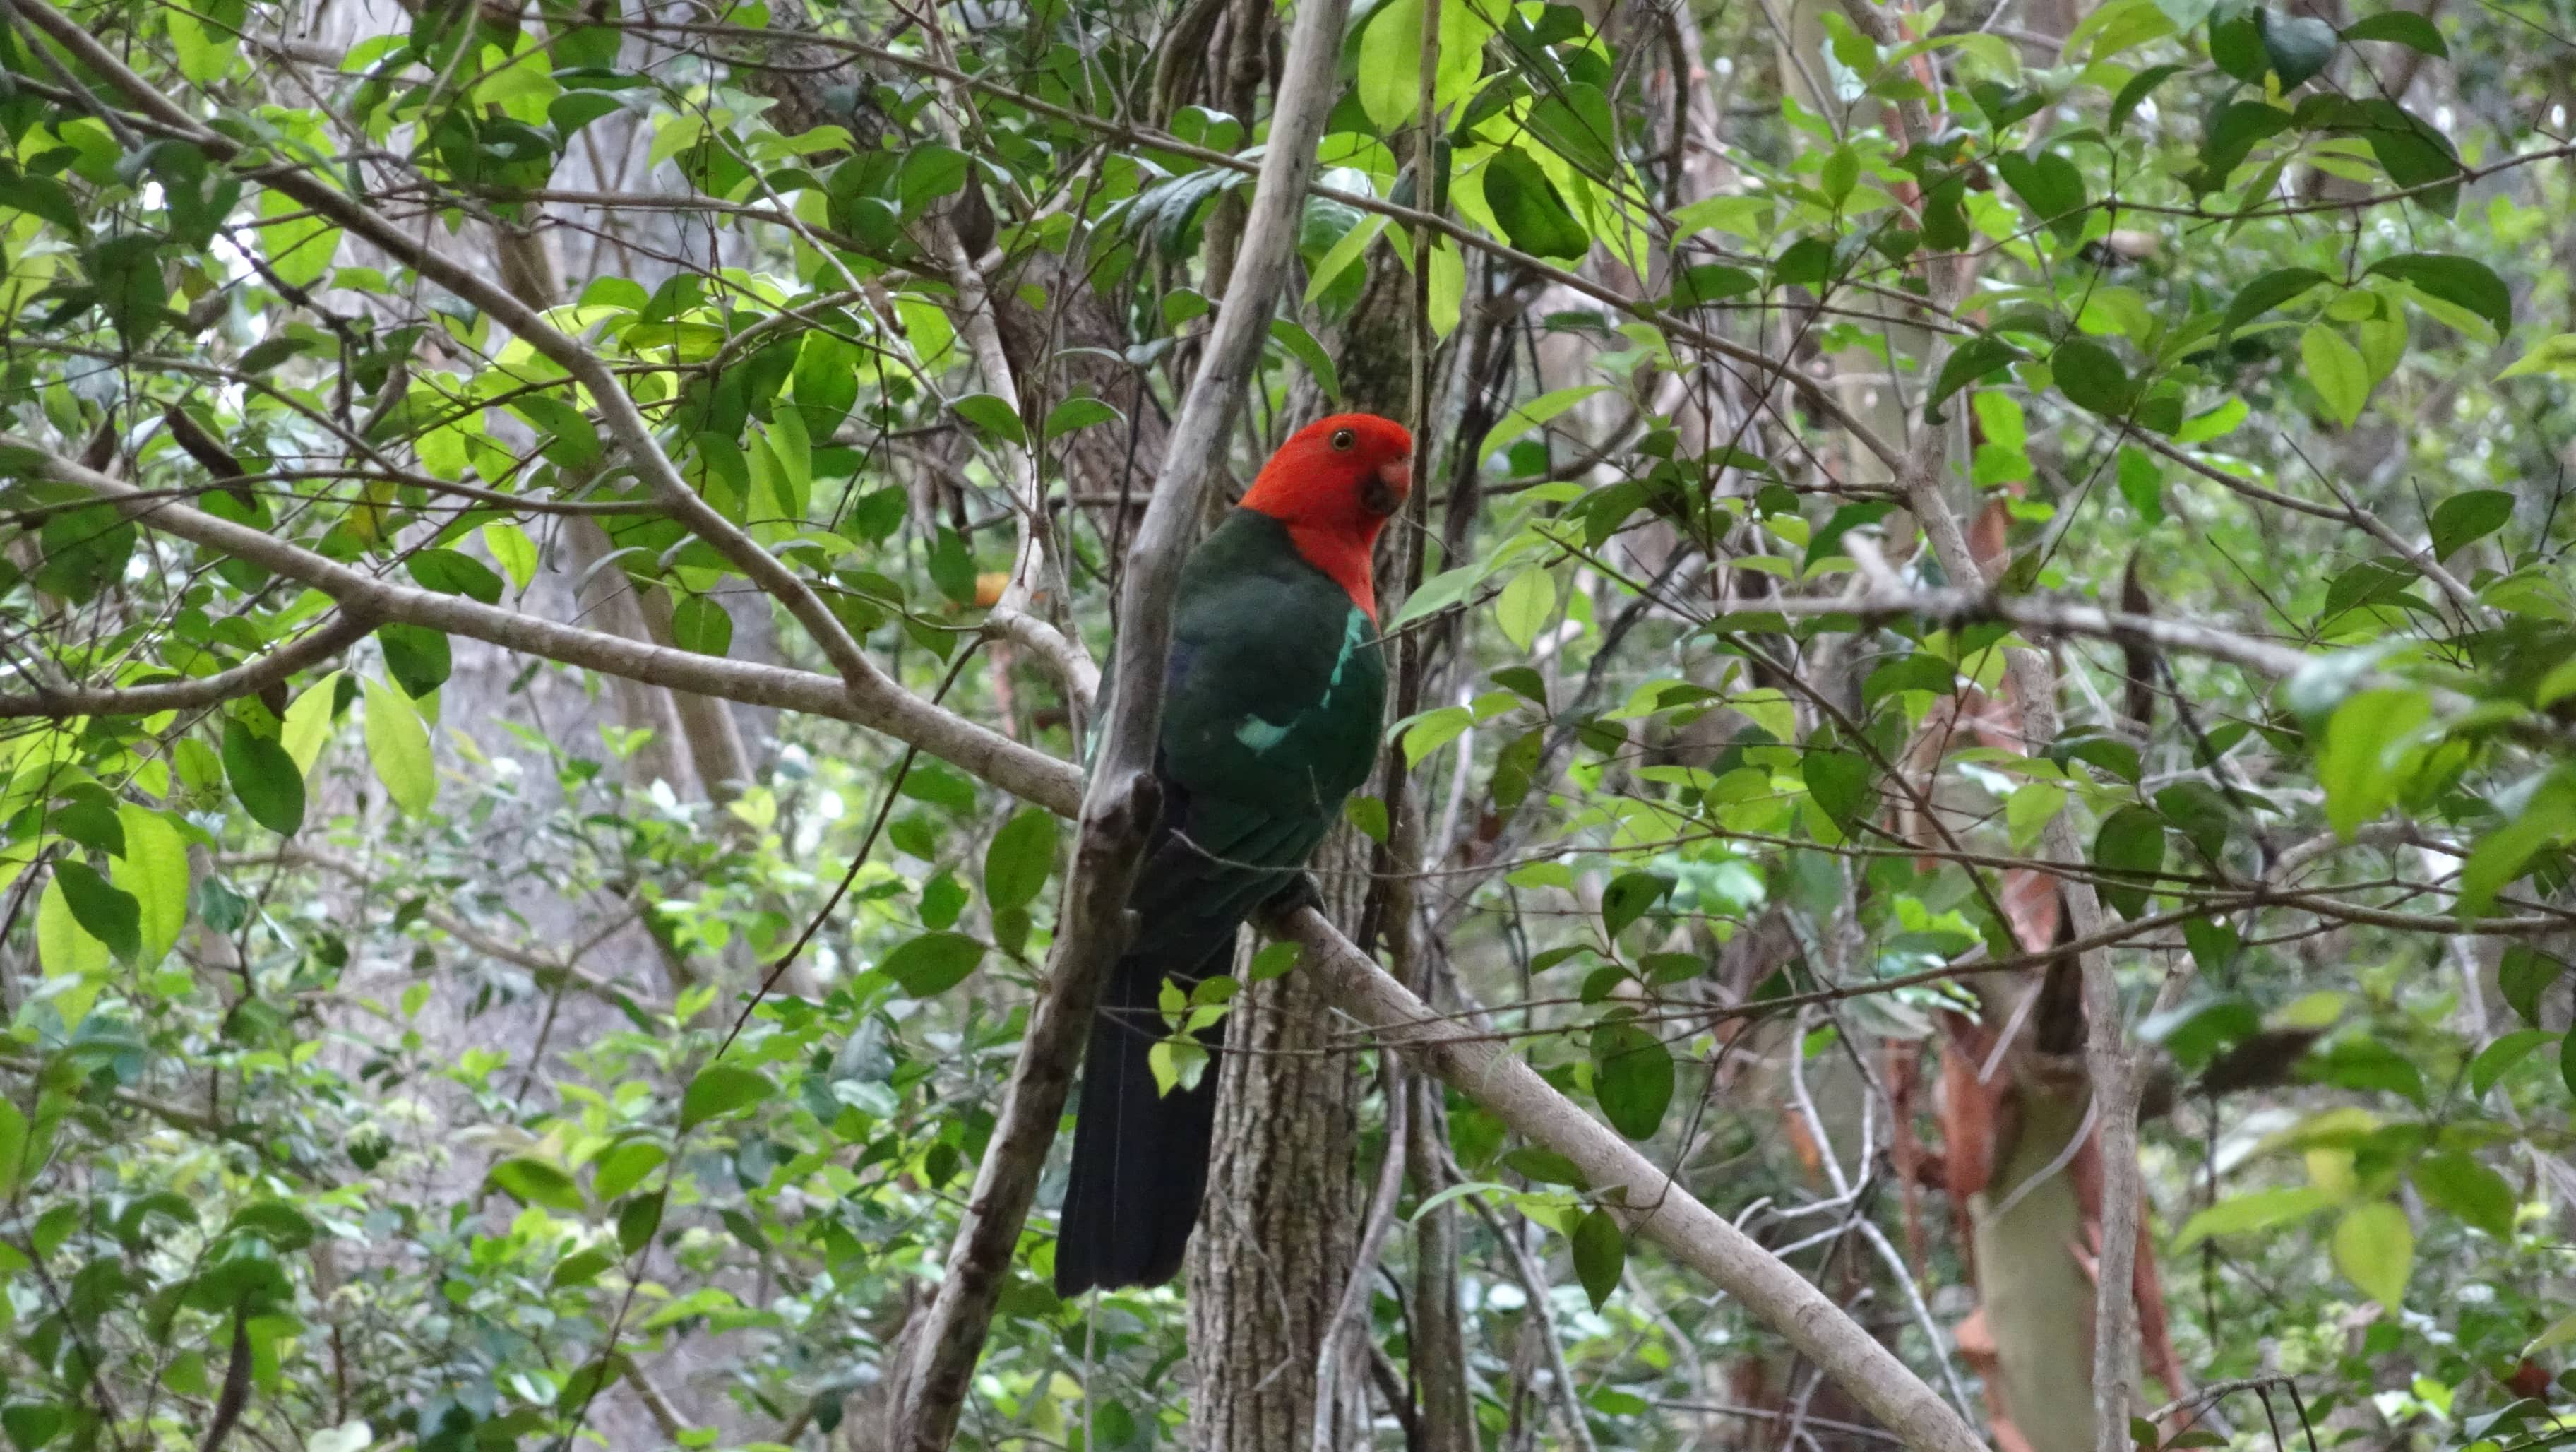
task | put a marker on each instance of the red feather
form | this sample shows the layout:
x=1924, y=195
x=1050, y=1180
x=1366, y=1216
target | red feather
x=1334, y=484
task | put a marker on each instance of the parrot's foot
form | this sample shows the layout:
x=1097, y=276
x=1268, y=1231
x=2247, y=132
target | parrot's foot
x=1298, y=892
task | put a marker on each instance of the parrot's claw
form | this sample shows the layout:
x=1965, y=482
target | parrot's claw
x=1298, y=892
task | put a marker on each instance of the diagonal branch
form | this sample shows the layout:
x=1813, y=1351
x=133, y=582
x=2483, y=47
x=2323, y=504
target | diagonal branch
x=1024, y=772
x=1643, y=1196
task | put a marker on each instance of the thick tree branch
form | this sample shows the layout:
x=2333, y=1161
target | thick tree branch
x=883, y=706
x=1644, y=1197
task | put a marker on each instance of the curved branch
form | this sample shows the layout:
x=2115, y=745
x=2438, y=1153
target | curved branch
x=346, y=629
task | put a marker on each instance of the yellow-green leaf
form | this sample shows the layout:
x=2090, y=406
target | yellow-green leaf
x=1525, y=605
x=65, y=947
x=155, y=870
x=307, y=727
x=398, y=745
x=512, y=550
x=2375, y=1249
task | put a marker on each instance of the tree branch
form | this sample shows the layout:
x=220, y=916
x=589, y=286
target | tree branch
x=1029, y=774
x=250, y=678
x=1646, y=1199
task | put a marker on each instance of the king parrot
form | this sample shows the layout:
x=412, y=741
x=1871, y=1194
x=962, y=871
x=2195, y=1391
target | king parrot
x=1273, y=700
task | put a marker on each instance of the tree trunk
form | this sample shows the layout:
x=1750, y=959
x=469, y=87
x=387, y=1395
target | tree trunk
x=1277, y=1231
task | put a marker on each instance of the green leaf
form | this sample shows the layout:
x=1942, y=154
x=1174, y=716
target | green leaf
x=105, y=912
x=532, y=1181
x=1533, y=216
x=2271, y=290
x=398, y=747
x=448, y=572
x=1839, y=784
x=307, y=726
x=1534, y=413
x=701, y=624
x=1022, y=855
x=1293, y=336
x=2524, y=975
x=2499, y=1058
x=2354, y=764
x=1525, y=605
x=2455, y=1183
x=1390, y=60
x=638, y=1219
x=2050, y=188
x=1573, y=120
x=624, y=1168
x=2467, y=517
x=512, y=550
x=994, y=418
x=580, y=1268
x=1627, y=897
x=63, y=946
x=2375, y=1249
x=2464, y=281
x=719, y=1089
x=2401, y=27
x=1600, y=1254
x=2126, y=104
x=2244, y=1214
x=15, y=1165
x=2298, y=46
x=2130, y=845
x=1967, y=363
x=1632, y=1076
x=2336, y=369
x=264, y=778
x=154, y=868
x=417, y=657
x=2091, y=377
x=933, y=963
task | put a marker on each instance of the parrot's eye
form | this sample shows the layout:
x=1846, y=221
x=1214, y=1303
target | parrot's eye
x=1343, y=439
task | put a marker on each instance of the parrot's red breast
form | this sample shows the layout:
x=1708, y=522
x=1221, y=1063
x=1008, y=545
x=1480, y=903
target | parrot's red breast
x=1334, y=484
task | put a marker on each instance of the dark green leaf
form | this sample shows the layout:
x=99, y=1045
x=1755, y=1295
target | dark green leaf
x=933, y=963
x=416, y=656
x=2050, y=188
x=2457, y=1184
x=1967, y=363
x=2454, y=279
x=264, y=777
x=2124, y=105
x=1532, y=215
x=2523, y=975
x=1022, y=854
x=1839, y=784
x=1574, y=121
x=2298, y=46
x=2401, y=27
x=2267, y=292
x=1632, y=1076
x=720, y=1089
x=2130, y=845
x=638, y=1219
x=2091, y=377
x=107, y=913
x=450, y=573
x=2498, y=1059
x=1627, y=898
x=1600, y=1254
x=2467, y=517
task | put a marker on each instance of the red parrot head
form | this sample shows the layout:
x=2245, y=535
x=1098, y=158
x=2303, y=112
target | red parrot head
x=1334, y=484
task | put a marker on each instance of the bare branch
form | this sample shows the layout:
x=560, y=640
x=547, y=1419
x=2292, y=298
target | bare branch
x=1647, y=1200
x=345, y=629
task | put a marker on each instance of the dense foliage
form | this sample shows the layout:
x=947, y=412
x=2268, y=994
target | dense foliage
x=418, y=1036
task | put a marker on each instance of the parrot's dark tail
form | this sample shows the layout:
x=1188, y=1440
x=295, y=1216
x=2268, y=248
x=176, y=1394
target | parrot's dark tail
x=1140, y=1157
